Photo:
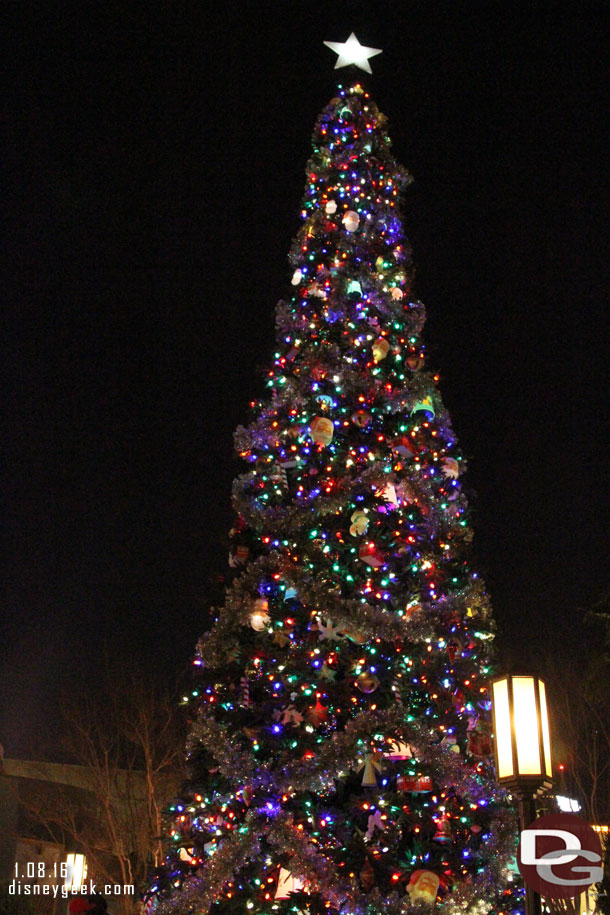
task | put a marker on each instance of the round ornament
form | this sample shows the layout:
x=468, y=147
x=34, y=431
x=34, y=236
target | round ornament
x=322, y=430
x=362, y=418
x=367, y=682
x=331, y=207
x=381, y=348
x=351, y=220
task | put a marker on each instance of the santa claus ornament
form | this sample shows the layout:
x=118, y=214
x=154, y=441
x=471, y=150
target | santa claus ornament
x=351, y=221
x=423, y=886
x=260, y=615
x=322, y=430
x=381, y=348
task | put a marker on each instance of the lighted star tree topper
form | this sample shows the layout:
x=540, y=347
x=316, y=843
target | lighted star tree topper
x=339, y=756
x=352, y=52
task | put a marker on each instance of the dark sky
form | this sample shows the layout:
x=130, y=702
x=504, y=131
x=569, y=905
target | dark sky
x=154, y=162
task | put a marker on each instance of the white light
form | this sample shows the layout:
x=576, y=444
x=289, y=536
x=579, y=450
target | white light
x=503, y=744
x=526, y=726
x=76, y=871
x=352, y=52
x=567, y=804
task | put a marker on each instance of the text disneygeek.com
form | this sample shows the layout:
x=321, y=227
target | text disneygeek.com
x=87, y=889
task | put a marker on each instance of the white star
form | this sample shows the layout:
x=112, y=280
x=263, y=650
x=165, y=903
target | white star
x=352, y=52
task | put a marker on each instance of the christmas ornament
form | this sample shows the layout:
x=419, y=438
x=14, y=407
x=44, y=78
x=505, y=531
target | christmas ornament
x=450, y=468
x=374, y=822
x=328, y=630
x=351, y=221
x=361, y=418
x=370, y=554
x=317, y=714
x=424, y=408
x=360, y=523
x=415, y=361
x=404, y=447
x=454, y=647
x=443, y=830
x=287, y=884
x=244, y=694
x=326, y=672
x=372, y=765
x=279, y=476
x=325, y=402
x=354, y=289
x=423, y=886
x=450, y=741
x=322, y=430
x=238, y=557
x=260, y=615
x=331, y=207
x=358, y=638
x=412, y=610
x=289, y=716
x=367, y=682
x=187, y=855
x=281, y=638
x=398, y=750
x=416, y=784
x=397, y=294
x=381, y=348
x=479, y=740
x=297, y=276
x=388, y=494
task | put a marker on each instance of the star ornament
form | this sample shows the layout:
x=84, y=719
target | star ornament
x=352, y=52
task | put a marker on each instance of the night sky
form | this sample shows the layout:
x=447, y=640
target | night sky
x=154, y=161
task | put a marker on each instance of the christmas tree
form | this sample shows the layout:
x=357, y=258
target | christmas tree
x=340, y=750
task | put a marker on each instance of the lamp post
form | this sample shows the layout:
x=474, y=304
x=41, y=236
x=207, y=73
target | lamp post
x=522, y=747
x=76, y=871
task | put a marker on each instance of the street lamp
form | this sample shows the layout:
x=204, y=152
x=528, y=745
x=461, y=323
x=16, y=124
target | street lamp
x=76, y=872
x=522, y=747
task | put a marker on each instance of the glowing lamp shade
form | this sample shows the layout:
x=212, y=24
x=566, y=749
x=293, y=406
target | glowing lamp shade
x=76, y=871
x=521, y=729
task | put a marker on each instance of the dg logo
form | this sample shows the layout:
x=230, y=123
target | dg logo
x=559, y=856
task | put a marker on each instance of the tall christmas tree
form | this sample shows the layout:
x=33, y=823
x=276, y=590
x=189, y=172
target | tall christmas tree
x=340, y=752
